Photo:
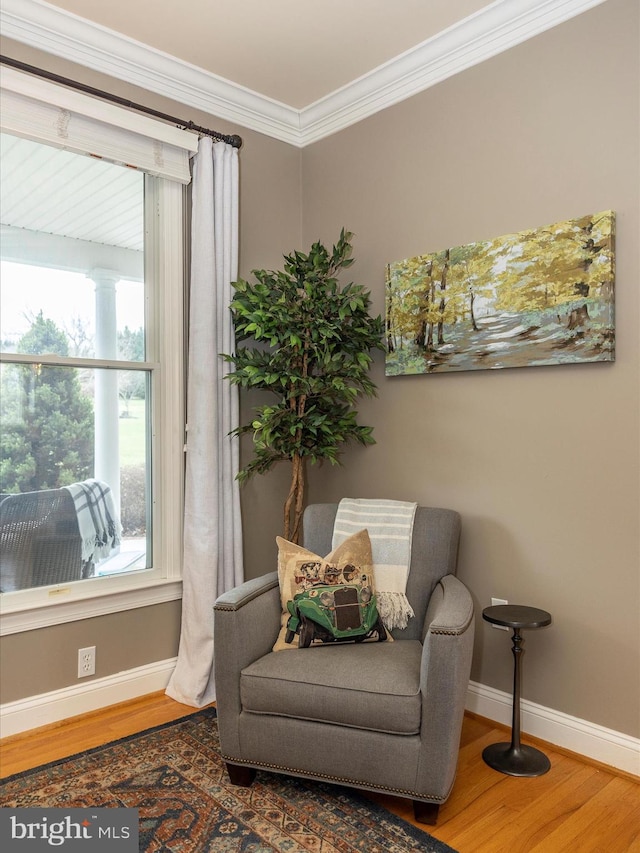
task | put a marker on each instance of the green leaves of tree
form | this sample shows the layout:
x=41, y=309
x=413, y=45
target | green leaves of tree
x=311, y=346
x=47, y=440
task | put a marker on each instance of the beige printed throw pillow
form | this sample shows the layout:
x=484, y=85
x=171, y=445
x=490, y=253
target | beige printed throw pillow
x=327, y=599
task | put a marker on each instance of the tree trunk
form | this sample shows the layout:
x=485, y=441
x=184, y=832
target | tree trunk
x=299, y=506
x=443, y=302
x=387, y=320
x=472, y=299
x=431, y=298
x=294, y=504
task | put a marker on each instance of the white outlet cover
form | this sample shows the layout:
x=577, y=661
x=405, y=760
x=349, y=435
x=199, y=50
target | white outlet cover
x=86, y=661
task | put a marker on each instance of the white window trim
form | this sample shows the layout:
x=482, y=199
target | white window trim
x=27, y=610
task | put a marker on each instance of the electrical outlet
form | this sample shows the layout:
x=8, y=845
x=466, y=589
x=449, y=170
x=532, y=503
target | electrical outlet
x=494, y=602
x=86, y=661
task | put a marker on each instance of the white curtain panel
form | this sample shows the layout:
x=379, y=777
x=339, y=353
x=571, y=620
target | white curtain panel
x=212, y=524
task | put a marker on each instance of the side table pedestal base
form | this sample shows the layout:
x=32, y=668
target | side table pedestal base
x=516, y=761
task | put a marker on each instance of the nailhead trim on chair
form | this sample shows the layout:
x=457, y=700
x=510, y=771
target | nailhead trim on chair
x=232, y=608
x=341, y=779
x=454, y=632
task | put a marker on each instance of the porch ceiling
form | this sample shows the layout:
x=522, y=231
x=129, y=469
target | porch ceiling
x=52, y=191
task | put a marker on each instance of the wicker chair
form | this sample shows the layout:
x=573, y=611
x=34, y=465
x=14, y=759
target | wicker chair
x=39, y=541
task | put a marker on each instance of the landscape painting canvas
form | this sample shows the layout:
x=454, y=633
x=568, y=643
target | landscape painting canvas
x=538, y=297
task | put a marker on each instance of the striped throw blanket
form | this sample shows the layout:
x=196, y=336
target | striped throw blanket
x=390, y=527
x=98, y=520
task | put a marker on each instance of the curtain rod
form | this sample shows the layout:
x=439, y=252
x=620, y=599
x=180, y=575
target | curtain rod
x=233, y=140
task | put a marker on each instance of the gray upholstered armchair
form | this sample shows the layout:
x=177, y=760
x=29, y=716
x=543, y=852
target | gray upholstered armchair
x=378, y=716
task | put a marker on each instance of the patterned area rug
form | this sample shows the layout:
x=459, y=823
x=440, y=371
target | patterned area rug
x=176, y=778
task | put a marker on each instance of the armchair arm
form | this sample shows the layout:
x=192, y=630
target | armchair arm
x=444, y=679
x=237, y=597
x=450, y=609
x=246, y=621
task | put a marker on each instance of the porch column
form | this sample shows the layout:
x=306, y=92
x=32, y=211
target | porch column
x=107, y=426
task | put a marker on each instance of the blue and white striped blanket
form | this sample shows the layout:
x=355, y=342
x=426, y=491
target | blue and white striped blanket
x=390, y=527
x=98, y=520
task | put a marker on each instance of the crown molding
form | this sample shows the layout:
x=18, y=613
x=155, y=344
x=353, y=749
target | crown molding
x=63, y=34
x=492, y=30
x=499, y=26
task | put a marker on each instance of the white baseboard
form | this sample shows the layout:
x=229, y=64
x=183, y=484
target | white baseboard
x=25, y=714
x=596, y=742
x=580, y=736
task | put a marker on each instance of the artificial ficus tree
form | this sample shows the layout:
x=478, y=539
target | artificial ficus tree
x=313, y=341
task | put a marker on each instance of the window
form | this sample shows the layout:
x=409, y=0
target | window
x=91, y=340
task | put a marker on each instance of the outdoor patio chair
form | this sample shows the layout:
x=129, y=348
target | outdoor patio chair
x=40, y=540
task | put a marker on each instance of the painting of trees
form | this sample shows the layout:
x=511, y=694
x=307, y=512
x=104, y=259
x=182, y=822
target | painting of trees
x=538, y=297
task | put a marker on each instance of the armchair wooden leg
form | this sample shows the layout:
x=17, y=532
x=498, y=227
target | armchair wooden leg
x=426, y=812
x=242, y=776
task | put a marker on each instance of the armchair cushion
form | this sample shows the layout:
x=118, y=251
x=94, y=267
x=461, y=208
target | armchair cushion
x=301, y=571
x=373, y=687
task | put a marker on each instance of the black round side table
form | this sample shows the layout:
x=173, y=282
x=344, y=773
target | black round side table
x=515, y=758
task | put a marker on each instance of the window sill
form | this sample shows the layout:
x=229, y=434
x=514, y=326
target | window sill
x=40, y=614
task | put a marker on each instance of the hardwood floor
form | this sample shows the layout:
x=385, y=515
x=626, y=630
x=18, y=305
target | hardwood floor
x=578, y=806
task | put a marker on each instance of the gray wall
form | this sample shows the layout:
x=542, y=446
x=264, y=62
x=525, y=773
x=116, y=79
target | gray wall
x=541, y=462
